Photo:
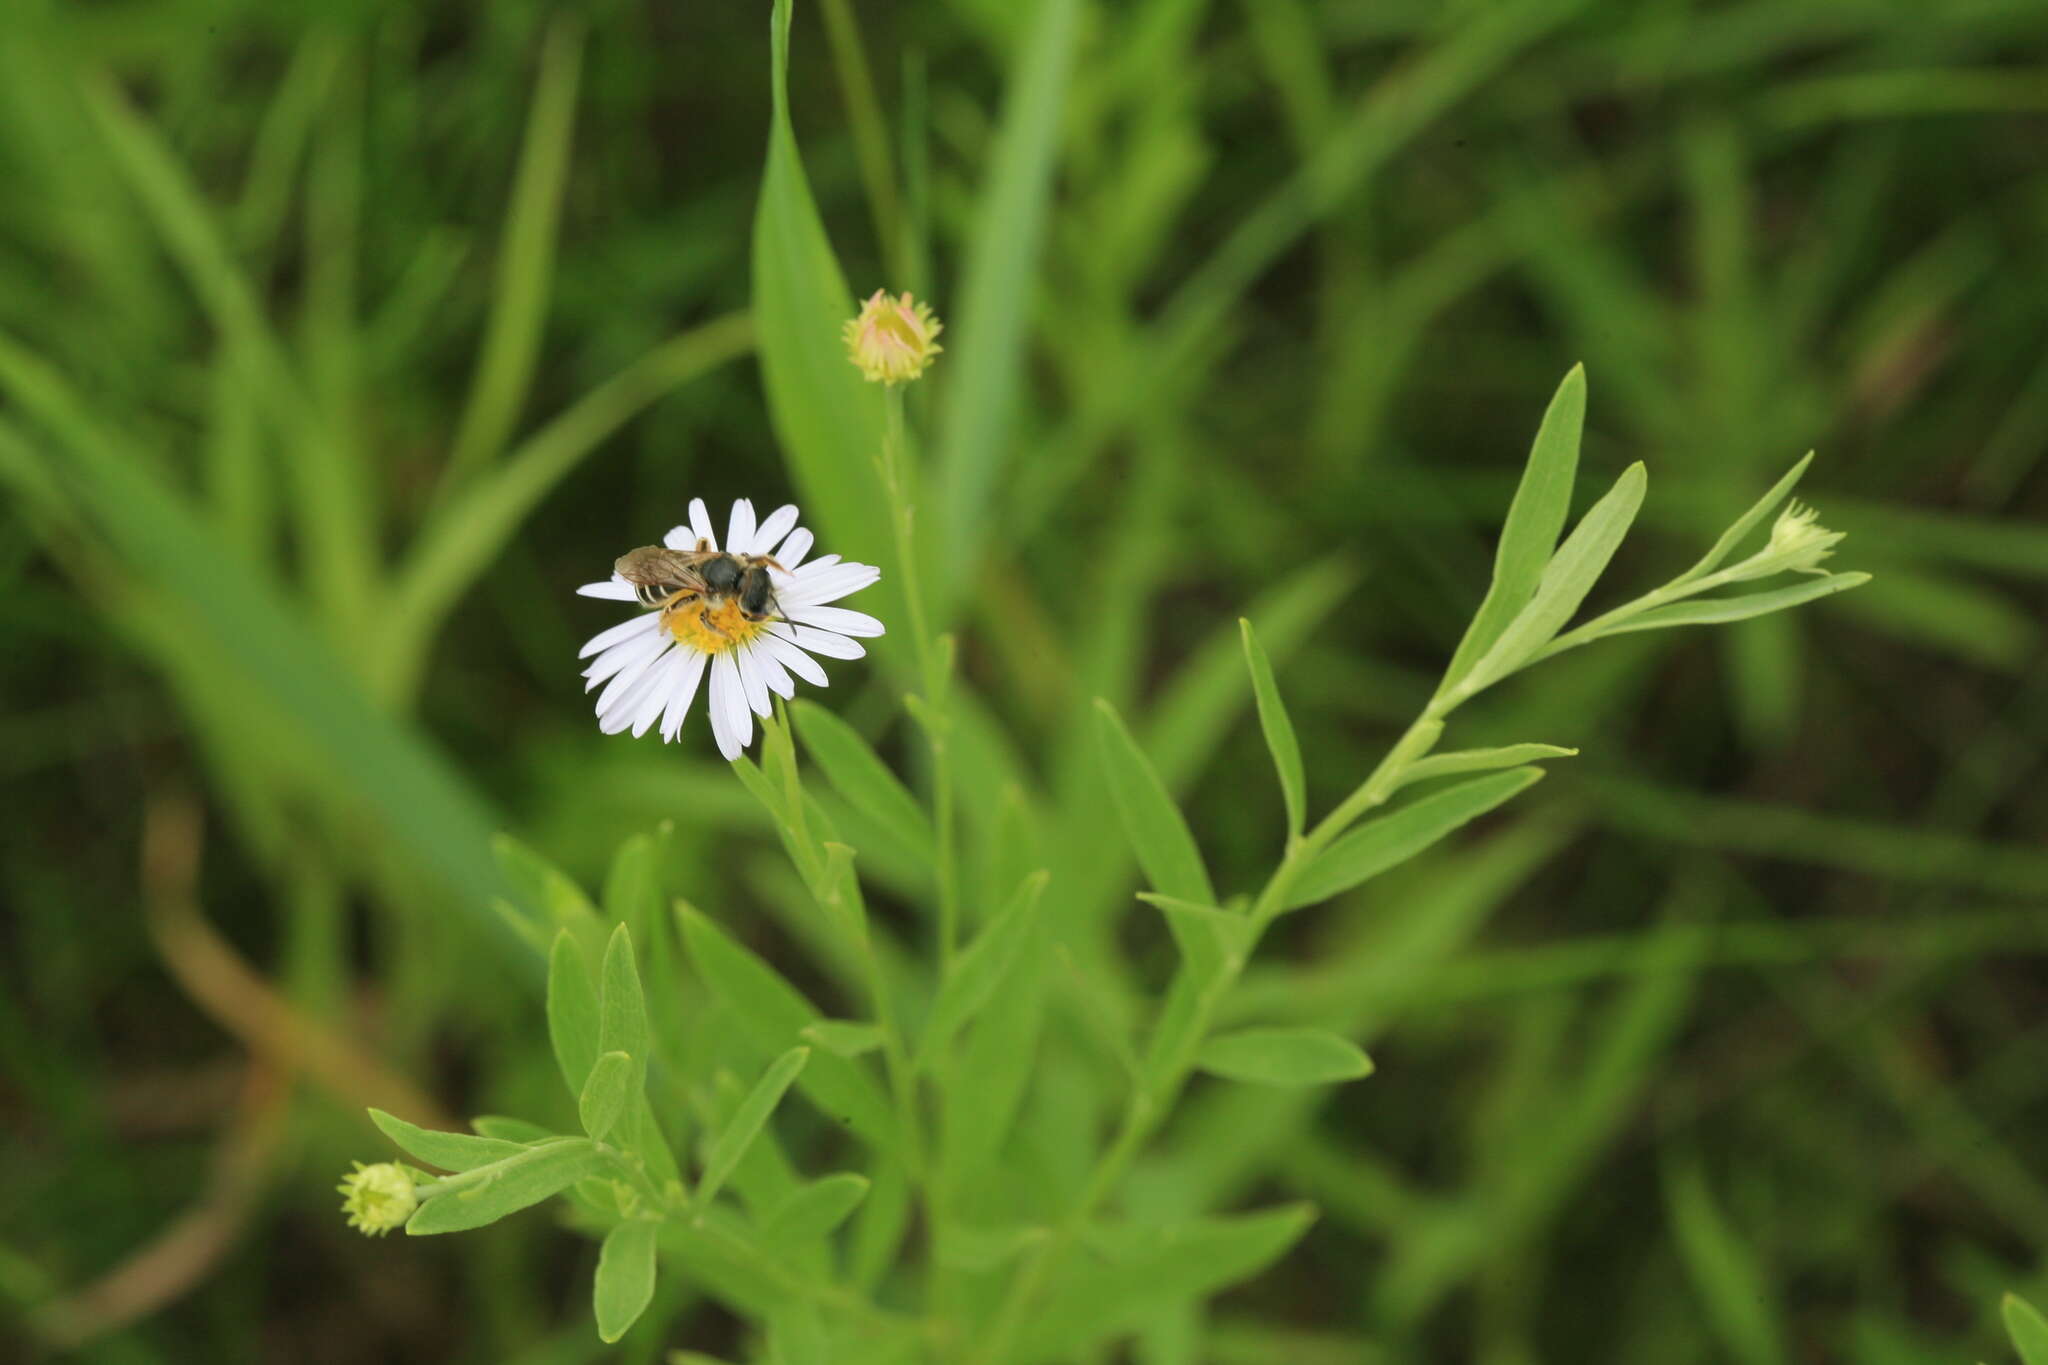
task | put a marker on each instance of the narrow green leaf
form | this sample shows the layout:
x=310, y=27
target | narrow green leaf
x=992, y=1069
x=980, y=971
x=526, y=256
x=625, y=1277
x=827, y=419
x=814, y=1211
x=1732, y=1286
x=855, y=772
x=1567, y=579
x=2028, y=1329
x=1158, y=834
x=1394, y=838
x=505, y=1129
x=998, y=283
x=1478, y=761
x=622, y=1011
x=605, y=1094
x=488, y=1193
x=449, y=1151
x=772, y=1015
x=632, y=886
x=1279, y=730
x=844, y=1037
x=746, y=1124
x=1712, y=611
x=1535, y=518
x=572, y=1011
x=1157, y=1265
x=1284, y=1056
x=1748, y=522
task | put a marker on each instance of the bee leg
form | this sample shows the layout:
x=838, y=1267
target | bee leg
x=704, y=615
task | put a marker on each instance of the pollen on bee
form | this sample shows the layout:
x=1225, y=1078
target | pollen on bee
x=711, y=626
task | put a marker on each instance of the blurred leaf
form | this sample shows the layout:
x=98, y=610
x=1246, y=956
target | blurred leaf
x=449, y=1151
x=1159, y=1265
x=1284, y=1056
x=998, y=282
x=1535, y=518
x=1963, y=620
x=1393, y=839
x=625, y=1277
x=862, y=778
x=1278, y=729
x=526, y=256
x=488, y=1193
x=1158, y=834
x=605, y=1093
x=980, y=971
x=827, y=418
x=844, y=1037
x=2028, y=1329
x=773, y=1015
x=747, y=1123
x=511, y=1130
x=814, y=1211
x=572, y=1012
x=544, y=891
x=1727, y=1275
x=1210, y=940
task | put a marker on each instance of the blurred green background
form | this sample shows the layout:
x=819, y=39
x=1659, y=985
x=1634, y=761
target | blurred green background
x=338, y=343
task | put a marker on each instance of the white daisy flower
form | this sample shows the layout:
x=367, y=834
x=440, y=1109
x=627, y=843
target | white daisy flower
x=754, y=639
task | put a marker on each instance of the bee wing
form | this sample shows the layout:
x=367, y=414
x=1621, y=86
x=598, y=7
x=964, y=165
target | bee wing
x=658, y=566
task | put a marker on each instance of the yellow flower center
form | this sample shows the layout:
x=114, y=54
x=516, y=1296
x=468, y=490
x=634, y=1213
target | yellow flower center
x=710, y=627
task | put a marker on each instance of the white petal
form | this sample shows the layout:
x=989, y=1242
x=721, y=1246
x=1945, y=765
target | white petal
x=817, y=566
x=795, y=548
x=624, y=630
x=700, y=522
x=772, y=673
x=839, y=581
x=667, y=675
x=739, y=721
x=820, y=641
x=680, y=695
x=625, y=661
x=753, y=682
x=837, y=618
x=680, y=538
x=721, y=731
x=773, y=529
x=739, y=532
x=618, y=590
x=626, y=704
x=798, y=662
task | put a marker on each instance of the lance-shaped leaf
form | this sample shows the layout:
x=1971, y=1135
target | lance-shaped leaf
x=858, y=775
x=572, y=1011
x=748, y=1121
x=1535, y=517
x=812, y=1212
x=488, y=1193
x=1278, y=729
x=605, y=1094
x=1566, y=580
x=1460, y=761
x=625, y=1277
x=1714, y=611
x=449, y=1151
x=1284, y=1056
x=622, y=1010
x=1394, y=838
x=1748, y=522
x=2028, y=1329
x=772, y=1015
x=1158, y=834
x=981, y=969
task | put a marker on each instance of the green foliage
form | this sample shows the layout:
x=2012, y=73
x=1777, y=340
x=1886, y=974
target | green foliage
x=335, y=348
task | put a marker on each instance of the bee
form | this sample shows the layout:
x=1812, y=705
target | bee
x=674, y=579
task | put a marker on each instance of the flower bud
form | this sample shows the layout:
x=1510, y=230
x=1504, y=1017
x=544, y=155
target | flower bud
x=892, y=340
x=377, y=1198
